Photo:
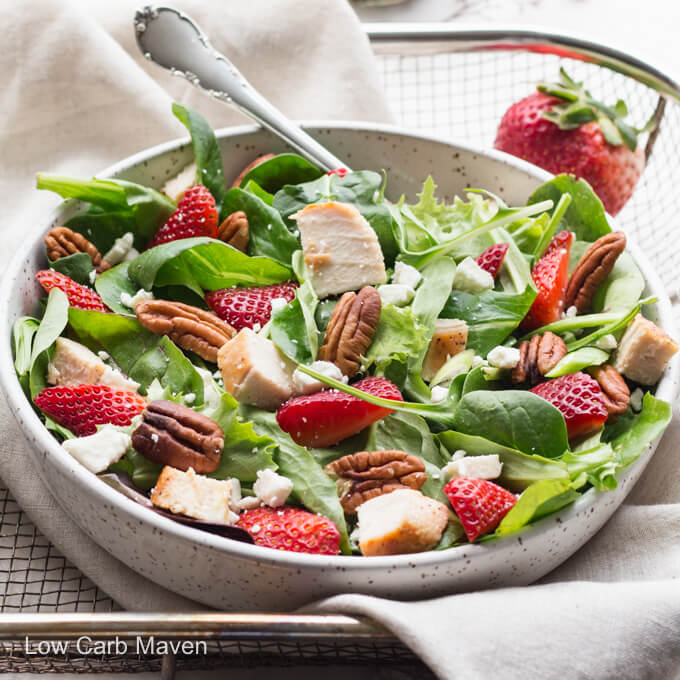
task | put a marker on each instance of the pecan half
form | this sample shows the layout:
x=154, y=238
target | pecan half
x=234, y=230
x=175, y=435
x=592, y=269
x=537, y=357
x=193, y=329
x=351, y=329
x=249, y=167
x=615, y=392
x=368, y=474
x=62, y=242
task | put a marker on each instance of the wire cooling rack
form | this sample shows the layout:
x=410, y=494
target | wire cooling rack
x=454, y=84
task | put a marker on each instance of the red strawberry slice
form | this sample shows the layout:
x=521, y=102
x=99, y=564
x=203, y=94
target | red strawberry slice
x=246, y=307
x=291, y=529
x=579, y=398
x=81, y=408
x=492, y=258
x=196, y=215
x=550, y=275
x=563, y=239
x=340, y=172
x=479, y=504
x=327, y=417
x=79, y=296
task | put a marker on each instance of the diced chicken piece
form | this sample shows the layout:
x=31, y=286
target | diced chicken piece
x=186, y=493
x=477, y=467
x=340, y=248
x=255, y=371
x=176, y=186
x=99, y=450
x=75, y=364
x=271, y=488
x=403, y=521
x=449, y=339
x=644, y=351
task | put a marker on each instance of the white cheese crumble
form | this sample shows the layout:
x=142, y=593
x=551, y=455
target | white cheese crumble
x=458, y=454
x=103, y=355
x=92, y=276
x=278, y=303
x=396, y=294
x=471, y=277
x=438, y=393
x=120, y=249
x=607, y=343
x=130, y=301
x=636, y=398
x=97, y=451
x=477, y=467
x=211, y=397
x=478, y=361
x=249, y=503
x=503, y=357
x=305, y=384
x=271, y=488
x=189, y=399
x=406, y=275
x=570, y=312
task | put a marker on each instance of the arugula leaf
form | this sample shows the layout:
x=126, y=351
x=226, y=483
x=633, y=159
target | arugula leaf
x=575, y=361
x=491, y=316
x=77, y=266
x=203, y=264
x=293, y=328
x=284, y=168
x=118, y=207
x=514, y=418
x=269, y=235
x=207, y=153
x=520, y=470
x=585, y=214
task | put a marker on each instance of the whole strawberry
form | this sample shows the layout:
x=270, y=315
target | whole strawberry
x=479, y=504
x=79, y=296
x=196, y=215
x=327, y=417
x=81, y=408
x=248, y=307
x=561, y=128
x=291, y=529
x=492, y=258
x=579, y=398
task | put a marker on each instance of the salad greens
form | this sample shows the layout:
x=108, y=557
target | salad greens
x=471, y=407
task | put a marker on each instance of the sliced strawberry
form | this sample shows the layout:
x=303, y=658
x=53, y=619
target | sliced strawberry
x=340, y=172
x=579, y=398
x=479, y=504
x=550, y=275
x=196, y=215
x=562, y=239
x=327, y=417
x=79, y=296
x=492, y=258
x=291, y=529
x=247, y=307
x=81, y=408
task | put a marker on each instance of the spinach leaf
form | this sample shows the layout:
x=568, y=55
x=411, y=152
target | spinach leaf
x=575, y=361
x=585, y=214
x=293, y=328
x=143, y=472
x=112, y=283
x=622, y=288
x=139, y=353
x=203, y=264
x=491, y=316
x=207, y=153
x=269, y=235
x=540, y=499
x=77, y=267
x=311, y=485
x=284, y=168
x=255, y=189
x=520, y=470
x=118, y=207
x=514, y=418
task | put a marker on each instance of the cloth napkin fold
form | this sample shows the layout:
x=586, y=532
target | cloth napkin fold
x=76, y=97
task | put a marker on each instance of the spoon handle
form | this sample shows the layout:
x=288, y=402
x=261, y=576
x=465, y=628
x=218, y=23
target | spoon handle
x=172, y=40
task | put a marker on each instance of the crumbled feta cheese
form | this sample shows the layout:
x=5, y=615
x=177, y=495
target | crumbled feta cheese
x=257, y=326
x=114, y=378
x=636, y=398
x=503, y=357
x=406, y=275
x=189, y=399
x=249, y=503
x=477, y=467
x=607, y=343
x=305, y=384
x=570, y=312
x=478, y=361
x=120, y=249
x=103, y=355
x=211, y=397
x=99, y=450
x=154, y=437
x=396, y=294
x=438, y=393
x=471, y=277
x=234, y=494
x=130, y=301
x=132, y=254
x=271, y=488
x=278, y=303
x=458, y=454
x=92, y=276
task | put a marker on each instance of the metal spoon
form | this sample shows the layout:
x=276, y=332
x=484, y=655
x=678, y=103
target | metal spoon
x=172, y=40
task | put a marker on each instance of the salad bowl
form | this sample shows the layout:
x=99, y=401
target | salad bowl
x=236, y=576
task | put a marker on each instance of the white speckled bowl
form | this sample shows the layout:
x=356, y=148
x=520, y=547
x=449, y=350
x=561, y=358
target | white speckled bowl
x=236, y=576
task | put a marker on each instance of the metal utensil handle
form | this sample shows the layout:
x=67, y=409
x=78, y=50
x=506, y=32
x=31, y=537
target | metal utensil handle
x=172, y=40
